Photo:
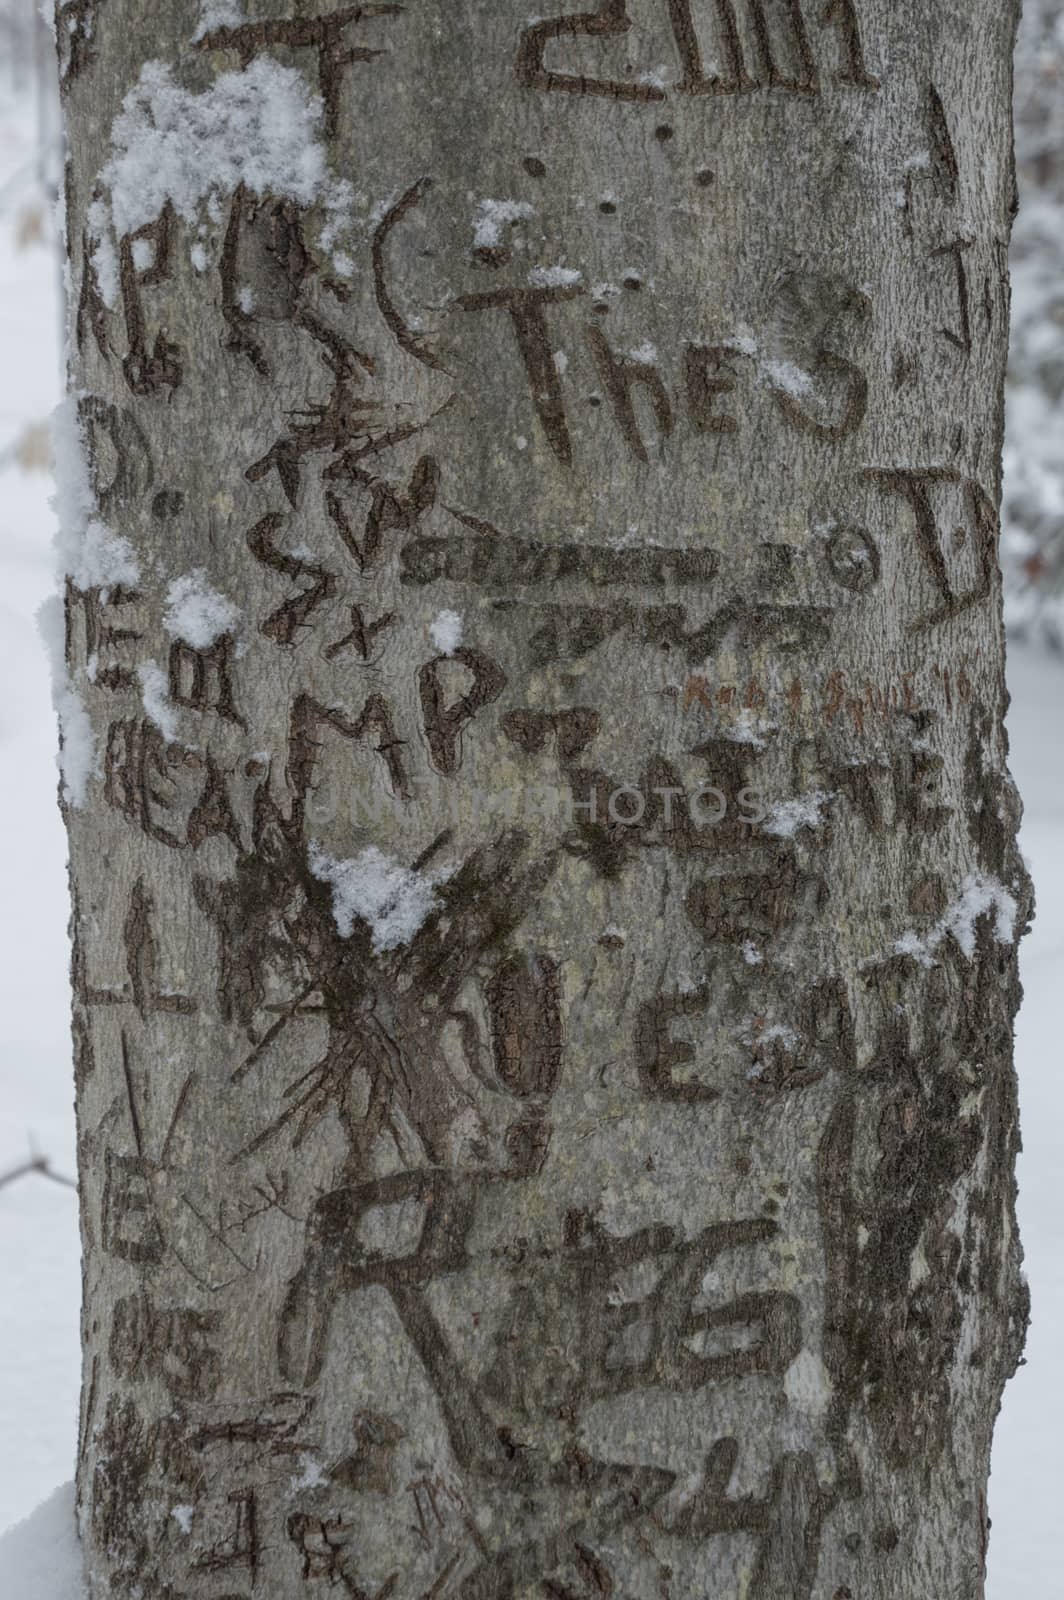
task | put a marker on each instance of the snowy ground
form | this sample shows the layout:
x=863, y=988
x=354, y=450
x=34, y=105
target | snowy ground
x=39, y=1276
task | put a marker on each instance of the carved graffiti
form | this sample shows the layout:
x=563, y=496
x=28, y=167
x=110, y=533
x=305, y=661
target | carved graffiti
x=919, y=489
x=526, y=308
x=610, y=19
x=607, y=1359
x=144, y=261
x=176, y=796
x=327, y=35
x=130, y=1226
x=961, y=335
x=779, y=41
x=444, y=721
x=457, y=1129
x=785, y=1524
x=816, y=389
x=175, y=1345
x=494, y=560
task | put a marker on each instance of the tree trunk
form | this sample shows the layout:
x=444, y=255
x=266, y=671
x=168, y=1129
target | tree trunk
x=544, y=872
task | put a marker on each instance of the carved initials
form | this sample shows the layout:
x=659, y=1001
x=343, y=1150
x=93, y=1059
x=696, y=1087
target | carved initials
x=915, y=488
x=526, y=308
x=610, y=19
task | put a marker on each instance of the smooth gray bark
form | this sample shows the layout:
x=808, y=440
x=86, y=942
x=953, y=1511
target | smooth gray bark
x=627, y=1209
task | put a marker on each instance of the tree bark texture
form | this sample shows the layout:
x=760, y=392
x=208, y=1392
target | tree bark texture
x=503, y=1174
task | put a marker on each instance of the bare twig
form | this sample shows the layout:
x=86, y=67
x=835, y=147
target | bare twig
x=38, y=1164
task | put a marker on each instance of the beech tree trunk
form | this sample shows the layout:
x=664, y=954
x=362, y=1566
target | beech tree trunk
x=545, y=894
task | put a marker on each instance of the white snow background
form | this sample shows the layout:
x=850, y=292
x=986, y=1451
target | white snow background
x=39, y=1262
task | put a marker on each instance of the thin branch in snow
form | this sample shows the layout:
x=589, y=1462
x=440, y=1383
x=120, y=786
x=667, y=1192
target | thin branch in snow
x=41, y=1165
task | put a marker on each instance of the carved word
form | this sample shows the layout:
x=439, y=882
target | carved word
x=816, y=390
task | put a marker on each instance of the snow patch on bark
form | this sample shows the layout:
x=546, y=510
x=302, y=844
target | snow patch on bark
x=392, y=900
x=446, y=632
x=807, y=1386
x=492, y=216
x=87, y=550
x=197, y=613
x=748, y=729
x=218, y=14
x=76, y=757
x=259, y=127
x=103, y=254
x=155, y=693
x=787, y=816
x=558, y=277
x=786, y=377
x=980, y=894
x=311, y=1475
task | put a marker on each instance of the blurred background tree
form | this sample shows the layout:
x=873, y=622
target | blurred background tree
x=1033, y=543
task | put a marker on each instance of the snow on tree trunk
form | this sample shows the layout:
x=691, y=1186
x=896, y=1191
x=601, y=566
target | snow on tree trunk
x=545, y=895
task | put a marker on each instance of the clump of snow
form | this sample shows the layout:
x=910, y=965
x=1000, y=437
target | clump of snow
x=446, y=632
x=980, y=894
x=807, y=1385
x=779, y=1033
x=217, y=14
x=744, y=344
x=143, y=254
x=311, y=1476
x=492, y=216
x=911, y=944
x=751, y=954
x=561, y=361
x=77, y=753
x=76, y=758
x=376, y=889
x=88, y=551
x=40, y=1558
x=787, y=816
x=786, y=376
x=155, y=692
x=554, y=277
x=780, y=374
x=259, y=127
x=646, y=355
x=182, y=1515
x=197, y=613
x=245, y=299
x=343, y=264
x=198, y=257
x=748, y=729
x=104, y=255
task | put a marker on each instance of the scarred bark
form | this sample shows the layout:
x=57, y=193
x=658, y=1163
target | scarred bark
x=545, y=893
